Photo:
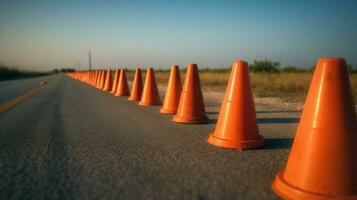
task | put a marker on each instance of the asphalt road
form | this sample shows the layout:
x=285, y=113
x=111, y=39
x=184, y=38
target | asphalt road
x=72, y=141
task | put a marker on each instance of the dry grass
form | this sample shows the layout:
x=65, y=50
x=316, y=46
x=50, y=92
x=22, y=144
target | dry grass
x=289, y=86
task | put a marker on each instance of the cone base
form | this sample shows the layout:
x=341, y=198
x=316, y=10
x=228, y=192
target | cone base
x=230, y=144
x=133, y=99
x=149, y=104
x=183, y=120
x=167, y=111
x=121, y=94
x=287, y=191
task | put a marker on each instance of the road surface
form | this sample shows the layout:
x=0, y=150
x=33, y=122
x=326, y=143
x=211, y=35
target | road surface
x=72, y=141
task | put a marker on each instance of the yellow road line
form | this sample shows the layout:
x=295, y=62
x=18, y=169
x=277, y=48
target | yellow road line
x=14, y=102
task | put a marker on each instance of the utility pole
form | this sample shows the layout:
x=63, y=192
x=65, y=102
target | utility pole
x=90, y=60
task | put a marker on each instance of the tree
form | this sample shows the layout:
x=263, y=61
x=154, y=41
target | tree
x=264, y=66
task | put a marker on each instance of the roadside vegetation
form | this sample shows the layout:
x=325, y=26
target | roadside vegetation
x=8, y=73
x=268, y=79
x=62, y=70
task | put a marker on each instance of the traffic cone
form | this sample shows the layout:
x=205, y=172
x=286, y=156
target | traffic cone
x=237, y=126
x=108, y=81
x=150, y=94
x=123, y=88
x=100, y=77
x=116, y=80
x=94, y=76
x=137, y=87
x=173, y=92
x=102, y=81
x=191, y=107
x=89, y=77
x=322, y=163
x=96, y=85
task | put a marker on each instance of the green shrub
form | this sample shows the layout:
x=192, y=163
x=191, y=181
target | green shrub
x=7, y=73
x=264, y=66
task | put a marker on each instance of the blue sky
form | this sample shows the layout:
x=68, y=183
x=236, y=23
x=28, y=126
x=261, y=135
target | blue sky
x=46, y=34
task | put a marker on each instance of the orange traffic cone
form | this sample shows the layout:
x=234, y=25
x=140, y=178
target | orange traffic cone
x=237, y=126
x=90, y=77
x=137, y=87
x=98, y=79
x=191, y=108
x=150, y=94
x=123, y=88
x=94, y=77
x=115, y=82
x=322, y=163
x=102, y=81
x=173, y=92
x=108, y=81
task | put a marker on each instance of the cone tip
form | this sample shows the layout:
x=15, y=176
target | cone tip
x=240, y=62
x=191, y=65
x=331, y=60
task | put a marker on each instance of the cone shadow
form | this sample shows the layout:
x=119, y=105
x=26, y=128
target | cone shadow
x=212, y=104
x=211, y=121
x=212, y=113
x=278, y=143
x=280, y=111
x=278, y=120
